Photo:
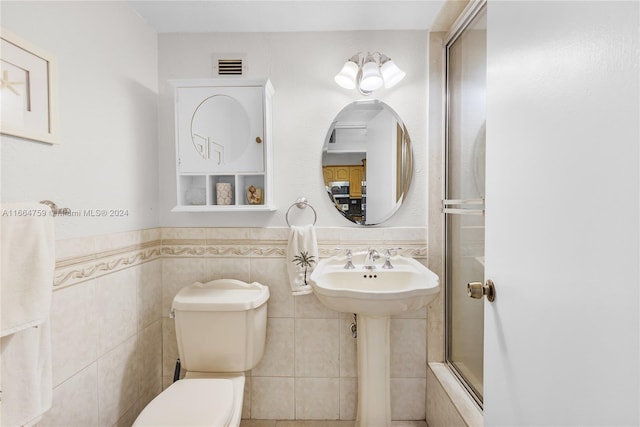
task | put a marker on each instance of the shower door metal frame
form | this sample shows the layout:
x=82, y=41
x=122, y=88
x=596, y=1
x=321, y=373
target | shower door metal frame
x=455, y=206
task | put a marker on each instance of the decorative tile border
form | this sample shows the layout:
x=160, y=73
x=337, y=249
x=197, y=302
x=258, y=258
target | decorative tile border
x=75, y=270
x=188, y=243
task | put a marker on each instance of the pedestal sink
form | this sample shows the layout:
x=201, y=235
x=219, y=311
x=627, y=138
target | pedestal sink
x=374, y=295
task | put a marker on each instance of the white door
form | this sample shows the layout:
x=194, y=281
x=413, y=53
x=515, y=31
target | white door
x=562, y=214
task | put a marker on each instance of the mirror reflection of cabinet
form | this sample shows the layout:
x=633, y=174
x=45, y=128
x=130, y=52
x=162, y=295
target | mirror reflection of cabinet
x=223, y=145
x=353, y=174
x=356, y=176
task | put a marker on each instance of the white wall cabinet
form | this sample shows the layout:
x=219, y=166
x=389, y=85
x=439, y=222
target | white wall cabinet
x=223, y=136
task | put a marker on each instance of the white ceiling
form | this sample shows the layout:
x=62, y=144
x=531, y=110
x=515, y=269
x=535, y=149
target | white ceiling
x=183, y=16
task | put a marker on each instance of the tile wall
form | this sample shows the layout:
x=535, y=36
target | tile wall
x=106, y=329
x=114, y=343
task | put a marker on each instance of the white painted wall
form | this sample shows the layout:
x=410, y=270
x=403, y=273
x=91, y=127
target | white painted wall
x=114, y=155
x=562, y=340
x=381, y=166
x=107, y=84
x=301, y=67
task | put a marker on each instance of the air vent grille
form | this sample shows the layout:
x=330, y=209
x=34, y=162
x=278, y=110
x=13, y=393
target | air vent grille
x=230, y=67
x=229, y=64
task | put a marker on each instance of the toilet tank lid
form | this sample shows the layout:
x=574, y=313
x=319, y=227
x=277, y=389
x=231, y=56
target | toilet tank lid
x=221, y=295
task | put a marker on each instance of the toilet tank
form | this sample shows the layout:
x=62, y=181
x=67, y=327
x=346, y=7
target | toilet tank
x=221, y=326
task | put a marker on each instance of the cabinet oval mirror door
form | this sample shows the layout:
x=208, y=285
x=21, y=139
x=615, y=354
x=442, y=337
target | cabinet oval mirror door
x=367, y=162
x=220, y=129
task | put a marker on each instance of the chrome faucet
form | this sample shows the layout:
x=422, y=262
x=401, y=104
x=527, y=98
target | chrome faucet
x=370, y=260
x=349, y=265
x=387, y=260
x=349, y=255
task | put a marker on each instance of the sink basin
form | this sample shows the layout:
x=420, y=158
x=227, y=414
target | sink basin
x=374, y=295
x=378, y=292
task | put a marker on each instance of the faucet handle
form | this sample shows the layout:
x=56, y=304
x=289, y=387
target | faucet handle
x=349, y=254
x=387, y=258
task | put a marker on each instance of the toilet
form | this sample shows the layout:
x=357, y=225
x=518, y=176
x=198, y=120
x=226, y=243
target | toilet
x=221, y=330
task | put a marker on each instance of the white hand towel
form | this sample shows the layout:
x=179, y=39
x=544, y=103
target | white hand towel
x=302, y=243
x=26, y=286
x=26, y=375
x=27, y=267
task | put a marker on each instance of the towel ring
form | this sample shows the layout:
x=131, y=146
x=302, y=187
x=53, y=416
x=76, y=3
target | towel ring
x=301, y=203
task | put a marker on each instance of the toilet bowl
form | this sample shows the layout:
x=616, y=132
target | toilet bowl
x=221, y=333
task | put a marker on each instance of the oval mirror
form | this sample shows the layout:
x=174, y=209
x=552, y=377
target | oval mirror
x=367, y=162
x=220, y=129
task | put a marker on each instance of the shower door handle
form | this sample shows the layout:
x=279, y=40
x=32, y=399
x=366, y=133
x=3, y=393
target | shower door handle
x=476, y=290
x=463, y=206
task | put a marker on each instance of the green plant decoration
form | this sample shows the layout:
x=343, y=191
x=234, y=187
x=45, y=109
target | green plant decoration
x=305, y=261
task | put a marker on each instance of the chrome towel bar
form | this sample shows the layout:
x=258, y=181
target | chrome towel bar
x=55, y=209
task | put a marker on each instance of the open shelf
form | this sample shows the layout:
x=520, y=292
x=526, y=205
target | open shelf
x=199, y=193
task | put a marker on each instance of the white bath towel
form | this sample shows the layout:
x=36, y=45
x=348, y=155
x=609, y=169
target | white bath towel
x=27, y=267
x=26, y=376
x=26, y=285
x=302, y=245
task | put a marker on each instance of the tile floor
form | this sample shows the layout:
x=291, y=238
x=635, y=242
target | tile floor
x=304, y=423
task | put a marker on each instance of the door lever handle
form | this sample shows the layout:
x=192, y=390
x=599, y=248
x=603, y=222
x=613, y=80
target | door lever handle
x=477, y=290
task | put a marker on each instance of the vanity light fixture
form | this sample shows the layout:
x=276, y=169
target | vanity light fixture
x=369, y=72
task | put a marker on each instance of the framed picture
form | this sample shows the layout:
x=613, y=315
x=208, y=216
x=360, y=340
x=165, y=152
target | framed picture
x=27, y=90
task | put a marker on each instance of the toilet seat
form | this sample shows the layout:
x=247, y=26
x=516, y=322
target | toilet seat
x=191, y=402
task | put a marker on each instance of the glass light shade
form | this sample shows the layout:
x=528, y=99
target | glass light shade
x=391, y=74
x=371, y=78
x=347, y=76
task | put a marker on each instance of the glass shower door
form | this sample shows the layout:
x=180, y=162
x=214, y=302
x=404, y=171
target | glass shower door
x=464, y=199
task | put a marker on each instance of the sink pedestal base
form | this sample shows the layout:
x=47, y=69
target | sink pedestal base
x=374, y=372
